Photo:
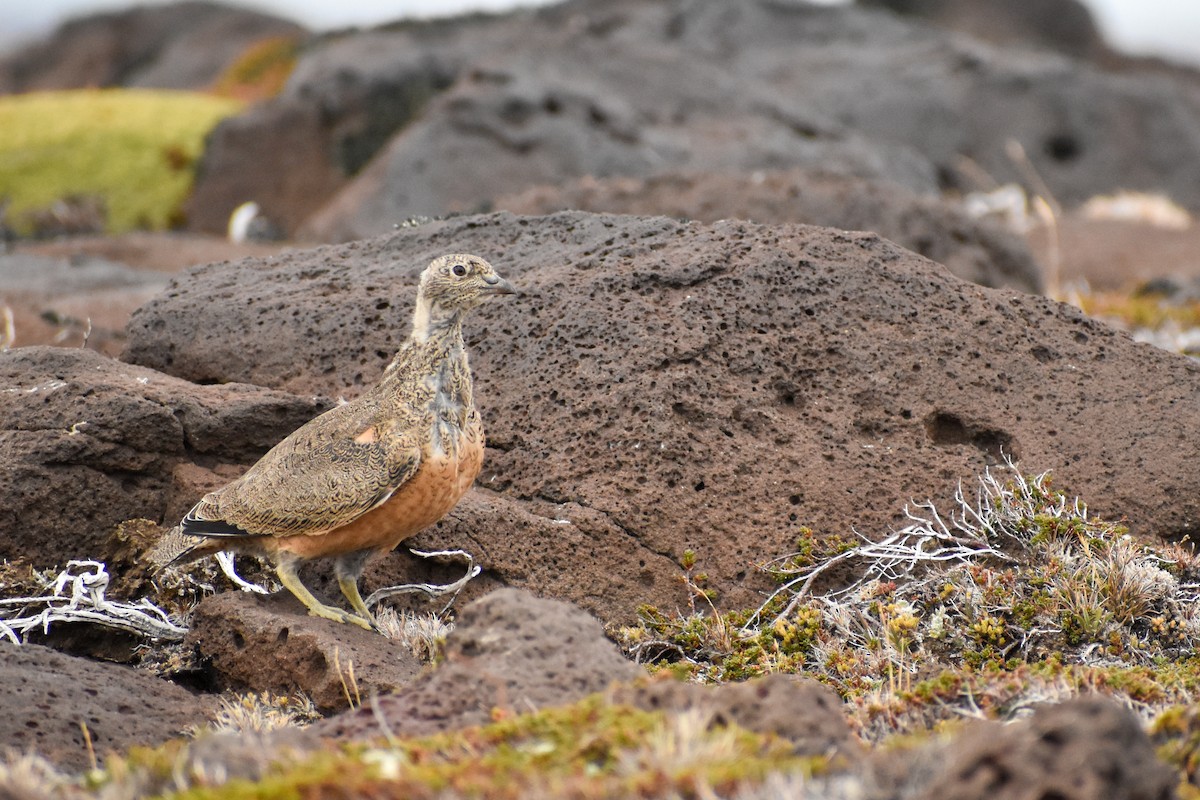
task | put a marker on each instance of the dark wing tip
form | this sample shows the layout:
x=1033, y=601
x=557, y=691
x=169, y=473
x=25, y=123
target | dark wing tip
x=195, y=526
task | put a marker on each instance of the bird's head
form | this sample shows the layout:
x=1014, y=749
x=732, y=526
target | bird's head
x=452, y=285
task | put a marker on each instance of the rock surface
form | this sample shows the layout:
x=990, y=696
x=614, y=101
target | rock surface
x=272, y=644
x=183, y=45
x=800, y=710
x=635, y=89
x=46, y=696
x=1084, y=749
x=72, y=302
x=87, y=442
x=1065, y=26
x=510, y=651
x=975, y=250
x=713, y=387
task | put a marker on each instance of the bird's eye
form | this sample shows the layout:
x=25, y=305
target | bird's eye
x=459, y=270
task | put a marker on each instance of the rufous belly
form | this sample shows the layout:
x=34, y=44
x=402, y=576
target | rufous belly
x=436, y=487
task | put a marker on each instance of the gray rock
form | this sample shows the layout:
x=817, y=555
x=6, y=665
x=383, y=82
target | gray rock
x=45, y=698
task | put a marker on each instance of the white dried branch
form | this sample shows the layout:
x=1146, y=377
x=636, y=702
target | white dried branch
x=86, y=602
x=226, y=560
x=429, y=589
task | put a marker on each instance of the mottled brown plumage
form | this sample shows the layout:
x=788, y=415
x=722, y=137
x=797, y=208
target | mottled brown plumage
x=364, y=476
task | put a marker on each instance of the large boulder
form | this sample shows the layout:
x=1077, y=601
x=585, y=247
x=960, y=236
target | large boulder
x=87, y=442
x=183, y=45
x=973, y=249
x=347, y=96
x=716, y=387
x=637, y=88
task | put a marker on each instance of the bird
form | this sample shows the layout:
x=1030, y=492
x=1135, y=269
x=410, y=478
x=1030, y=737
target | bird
x=366, y=475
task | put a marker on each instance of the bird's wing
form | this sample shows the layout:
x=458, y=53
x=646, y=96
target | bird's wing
x=325, y=475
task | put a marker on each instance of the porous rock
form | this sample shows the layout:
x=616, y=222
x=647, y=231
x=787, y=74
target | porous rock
x=46, y=698
x=87, y=442
x=510, y=651
x=250, y=642
x=1088, y=748
x=972, y=249
x=714, y=387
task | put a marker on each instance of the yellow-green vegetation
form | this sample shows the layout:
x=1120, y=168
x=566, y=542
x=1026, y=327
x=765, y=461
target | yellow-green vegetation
x=1018, y=595
x=1142, y=309
x=1167, y=322
x=132, y=149
x=261, y=71
x=590, y=749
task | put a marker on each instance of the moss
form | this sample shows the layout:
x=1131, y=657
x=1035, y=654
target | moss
x=134, y=149
x=591, y=749
x=261, y=71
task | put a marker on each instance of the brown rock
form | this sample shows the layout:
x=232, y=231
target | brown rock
x=714, y=387
x=510, y=651
x=1084, y=749
x=67, y=302
x=272, y=644
x=801, y=710
x=975, y=250
x=1114, y=256
x=550, y=548
x=87, y=442
x=45, y=698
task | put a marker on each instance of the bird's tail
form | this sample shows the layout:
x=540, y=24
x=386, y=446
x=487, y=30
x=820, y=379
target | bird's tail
x=176, y=548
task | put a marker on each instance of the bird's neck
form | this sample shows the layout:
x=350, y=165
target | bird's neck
x=432, y=321
x=436, y=339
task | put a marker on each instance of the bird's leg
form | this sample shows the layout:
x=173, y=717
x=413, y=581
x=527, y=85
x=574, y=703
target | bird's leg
x=348, y=569
x=286, y=570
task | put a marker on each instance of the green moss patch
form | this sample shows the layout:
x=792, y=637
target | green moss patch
x=591, y=749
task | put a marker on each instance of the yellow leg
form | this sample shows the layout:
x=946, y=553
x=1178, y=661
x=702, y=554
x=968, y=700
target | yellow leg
x=286, y=570
x=348, y=568
x=349, y=588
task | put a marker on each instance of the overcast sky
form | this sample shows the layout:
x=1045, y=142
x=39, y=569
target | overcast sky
x=1163, y=27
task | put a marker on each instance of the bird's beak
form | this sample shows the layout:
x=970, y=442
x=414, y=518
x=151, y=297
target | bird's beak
x=494, y=284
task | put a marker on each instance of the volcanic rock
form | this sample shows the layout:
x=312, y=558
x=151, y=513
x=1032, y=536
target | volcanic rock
x=87, y=442
x=801, y=710
x=713, y=387
x=46, y=698
x=975, y=250
x=637, y=88
x=1065, y=26
x=1088, y=748
x=273, y=644
x=510, y=651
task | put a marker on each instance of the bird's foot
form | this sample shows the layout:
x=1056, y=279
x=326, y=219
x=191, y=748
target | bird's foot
x=338, y=615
